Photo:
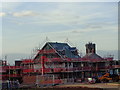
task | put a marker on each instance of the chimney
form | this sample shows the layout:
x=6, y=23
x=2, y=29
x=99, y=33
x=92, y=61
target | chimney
x=90, y=48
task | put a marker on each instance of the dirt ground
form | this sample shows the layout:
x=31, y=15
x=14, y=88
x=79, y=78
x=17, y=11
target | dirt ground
x=112, y=86
x=77, y=86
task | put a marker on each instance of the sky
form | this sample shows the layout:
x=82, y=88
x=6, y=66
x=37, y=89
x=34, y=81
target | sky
x=25, y=26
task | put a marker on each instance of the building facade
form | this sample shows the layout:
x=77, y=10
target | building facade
x=11, y=73
x=59, y=63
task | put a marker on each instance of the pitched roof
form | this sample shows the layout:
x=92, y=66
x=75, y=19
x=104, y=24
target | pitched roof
x=92, y=56
x=64, y=46
x=59, y=46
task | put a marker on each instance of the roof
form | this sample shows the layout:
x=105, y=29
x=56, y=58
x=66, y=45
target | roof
x=92, y=56
x=59, y=46
x=64, y=47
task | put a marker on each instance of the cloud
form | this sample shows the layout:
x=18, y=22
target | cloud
x=24, y=13
x=2, y=14
x=68, y=14
x=75, y=31
x=54, y=17
x=96, y=27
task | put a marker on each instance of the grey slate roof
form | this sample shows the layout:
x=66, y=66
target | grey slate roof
x=64, y=46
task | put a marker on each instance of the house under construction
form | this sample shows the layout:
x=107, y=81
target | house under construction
x=58, y=63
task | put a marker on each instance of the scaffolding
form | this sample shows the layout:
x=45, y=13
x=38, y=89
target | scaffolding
x=52, y=63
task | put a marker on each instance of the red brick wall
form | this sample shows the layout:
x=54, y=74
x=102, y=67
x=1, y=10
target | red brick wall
x=29, y=79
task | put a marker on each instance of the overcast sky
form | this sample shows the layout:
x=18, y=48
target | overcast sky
x=25, y=25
